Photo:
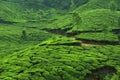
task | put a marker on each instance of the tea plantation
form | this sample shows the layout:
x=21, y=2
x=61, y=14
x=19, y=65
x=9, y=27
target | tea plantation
x=59, y=40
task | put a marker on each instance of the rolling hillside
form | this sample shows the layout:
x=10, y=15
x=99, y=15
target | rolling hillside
x=59, y=40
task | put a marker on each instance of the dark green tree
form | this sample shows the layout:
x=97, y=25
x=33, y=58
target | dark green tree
x=113, y=6
x=24, y=35
x=76, y=19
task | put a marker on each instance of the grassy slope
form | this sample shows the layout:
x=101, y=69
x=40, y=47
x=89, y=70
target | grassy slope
x=11, y=11
x=96, y=4
x=10, y=34
x=95, y=14
x=91, y=19
x=10, y=38
x=99, y=19
x=32, y=63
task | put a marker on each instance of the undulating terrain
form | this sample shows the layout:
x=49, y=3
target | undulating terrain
x=59, y=40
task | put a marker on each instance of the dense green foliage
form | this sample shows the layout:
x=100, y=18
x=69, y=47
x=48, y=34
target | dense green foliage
x=54, y=62
x=59, y=39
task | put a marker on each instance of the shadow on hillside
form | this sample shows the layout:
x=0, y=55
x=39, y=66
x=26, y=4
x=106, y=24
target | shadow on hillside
x=100, y=42
x=6, y=22
x=57, y=31
x=101, y=73
x=70, y=34
x=64, y=44
x=87, y=41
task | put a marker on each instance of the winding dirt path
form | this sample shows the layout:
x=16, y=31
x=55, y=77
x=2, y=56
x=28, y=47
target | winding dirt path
x=86, y=44
x=83, y=43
